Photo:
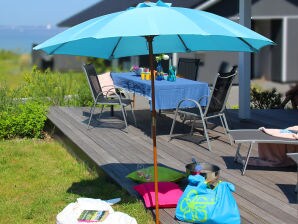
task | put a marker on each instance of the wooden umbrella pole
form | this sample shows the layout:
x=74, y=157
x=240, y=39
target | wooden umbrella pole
x=153, y=126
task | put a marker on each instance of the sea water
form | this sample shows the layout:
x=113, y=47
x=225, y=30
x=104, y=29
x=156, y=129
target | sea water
x=20, y=39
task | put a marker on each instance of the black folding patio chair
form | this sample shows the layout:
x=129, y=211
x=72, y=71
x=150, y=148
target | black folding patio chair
x=215, y=106
x=188, y=68
x=108, y=98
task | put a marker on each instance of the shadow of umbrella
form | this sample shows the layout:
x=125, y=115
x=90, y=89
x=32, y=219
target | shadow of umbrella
x=153, y=28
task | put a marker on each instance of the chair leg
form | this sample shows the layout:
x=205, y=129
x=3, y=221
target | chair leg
x=134, y=100
x=225, y=126
x=296, y=189
x=91, y=114
x=125, y=111
x=100, y=113
x=133, y=115
x=237, y=154
x=192, y=125
x=206, y=134
x=222, y=123
x=124, y=115
x=173, y=124
x=247, y=158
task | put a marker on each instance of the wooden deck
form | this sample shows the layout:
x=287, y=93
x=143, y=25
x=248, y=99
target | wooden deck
x=263, y=195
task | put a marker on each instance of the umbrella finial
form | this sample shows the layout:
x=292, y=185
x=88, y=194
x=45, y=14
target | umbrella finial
x=152, y=4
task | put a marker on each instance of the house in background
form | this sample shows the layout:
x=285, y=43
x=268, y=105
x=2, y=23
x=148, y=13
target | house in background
x=275, y=19
x=56, y=62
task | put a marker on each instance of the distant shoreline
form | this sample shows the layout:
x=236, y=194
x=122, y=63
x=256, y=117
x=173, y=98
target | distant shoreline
x=19, y=39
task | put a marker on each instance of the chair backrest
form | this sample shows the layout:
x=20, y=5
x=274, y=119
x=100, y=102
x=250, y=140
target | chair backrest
x=188, y=68
x=92, y=79
x=220, y=92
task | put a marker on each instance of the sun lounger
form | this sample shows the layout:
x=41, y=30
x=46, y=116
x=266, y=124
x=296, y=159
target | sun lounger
x=252, y=136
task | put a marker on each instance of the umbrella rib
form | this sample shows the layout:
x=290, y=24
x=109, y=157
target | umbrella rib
x=57, y=48
x=248, y=44
x=182, y=41
x=112, y=54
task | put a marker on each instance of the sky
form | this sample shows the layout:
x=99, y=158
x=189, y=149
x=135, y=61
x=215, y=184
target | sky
x=39, y=12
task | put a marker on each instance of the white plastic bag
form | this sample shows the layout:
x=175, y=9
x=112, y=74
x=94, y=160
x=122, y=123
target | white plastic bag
x=71, y=212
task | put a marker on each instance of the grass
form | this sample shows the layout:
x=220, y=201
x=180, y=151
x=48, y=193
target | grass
x=13, y=67
x=39, y=178
x=18, y=75
x=16, y=67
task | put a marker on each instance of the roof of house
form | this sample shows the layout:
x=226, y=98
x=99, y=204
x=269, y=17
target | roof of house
x=269, y=8
x=109, y=6
x=219, y=7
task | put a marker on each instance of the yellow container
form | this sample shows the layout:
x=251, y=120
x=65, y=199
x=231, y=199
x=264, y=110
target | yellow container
x=143, y=75
x=148, y=76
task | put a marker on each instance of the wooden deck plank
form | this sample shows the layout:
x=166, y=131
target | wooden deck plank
x=258, y=193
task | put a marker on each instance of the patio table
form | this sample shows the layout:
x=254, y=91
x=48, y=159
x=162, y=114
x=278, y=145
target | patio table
x=167, y=94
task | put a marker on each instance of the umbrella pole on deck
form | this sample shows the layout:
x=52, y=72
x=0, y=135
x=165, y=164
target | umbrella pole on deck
x=153, y=126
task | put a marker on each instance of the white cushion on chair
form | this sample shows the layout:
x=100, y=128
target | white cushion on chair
x=106, y=83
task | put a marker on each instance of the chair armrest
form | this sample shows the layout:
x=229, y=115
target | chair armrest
x=98, y=95
x=112, y=87
x=124, y=91
x=109, y=86
x=121, y=90
x=202, y=97
x=105, y=94
x=181, y=111
x=190, y=100
x=110, y=91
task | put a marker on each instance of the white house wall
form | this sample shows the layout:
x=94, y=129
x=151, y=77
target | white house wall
x=291, y=61
x=275, y=8
x=210, y=63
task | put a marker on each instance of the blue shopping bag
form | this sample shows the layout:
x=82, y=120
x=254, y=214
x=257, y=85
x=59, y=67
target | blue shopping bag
x=201, y=204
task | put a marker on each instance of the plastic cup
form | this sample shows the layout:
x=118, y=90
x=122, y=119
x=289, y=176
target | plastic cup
x=143, y=75
x=148, y=76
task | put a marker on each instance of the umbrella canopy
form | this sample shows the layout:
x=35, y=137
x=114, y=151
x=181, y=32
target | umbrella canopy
x=153, y=28
x=176, y=29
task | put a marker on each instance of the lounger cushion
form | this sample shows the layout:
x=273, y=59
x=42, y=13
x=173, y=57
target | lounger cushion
x=164, y=175
x=290, y=132
x=106, y=83
x=168, y=194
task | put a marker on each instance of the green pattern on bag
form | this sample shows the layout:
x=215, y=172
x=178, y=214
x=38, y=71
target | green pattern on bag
x=196, y=206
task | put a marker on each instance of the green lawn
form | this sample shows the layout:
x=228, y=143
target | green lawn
x=39, y=178
x=13, y=67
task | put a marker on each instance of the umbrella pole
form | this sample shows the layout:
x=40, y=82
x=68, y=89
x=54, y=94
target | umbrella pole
x=153, y=126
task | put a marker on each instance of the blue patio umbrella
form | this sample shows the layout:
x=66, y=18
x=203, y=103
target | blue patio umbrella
x=174, y=30
x=153, y=28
